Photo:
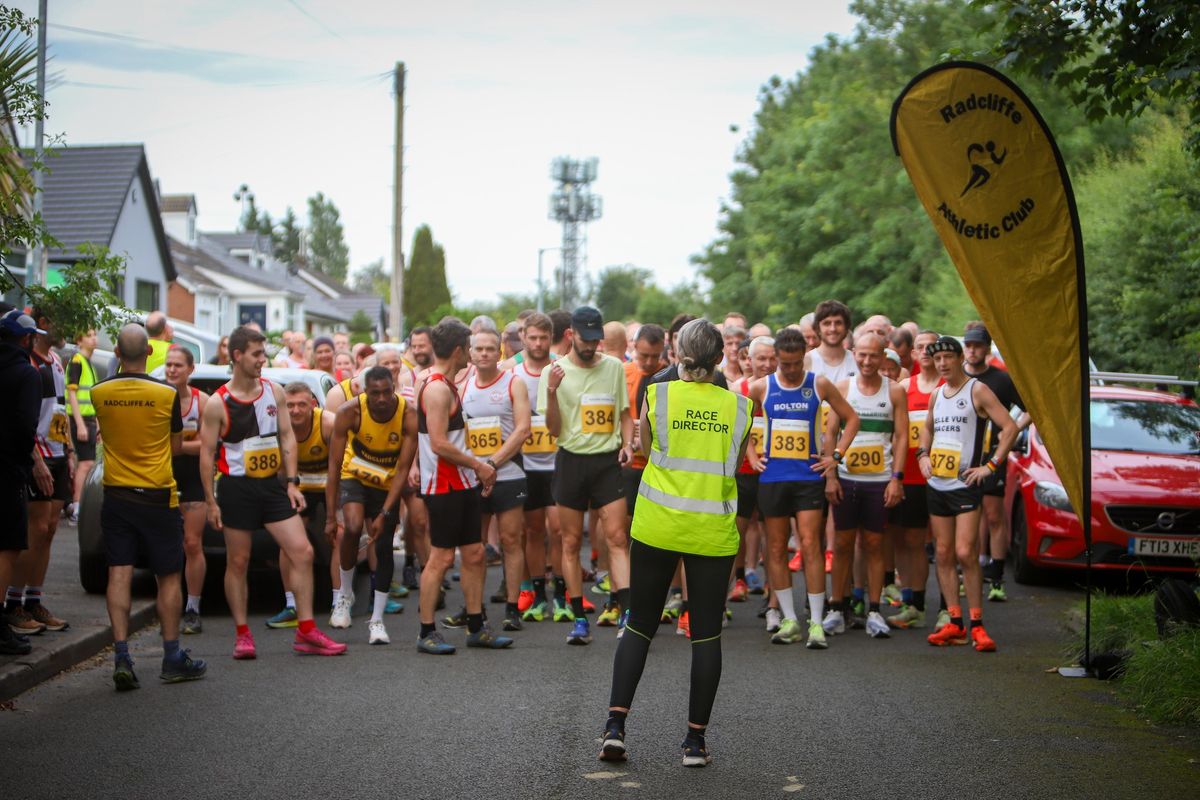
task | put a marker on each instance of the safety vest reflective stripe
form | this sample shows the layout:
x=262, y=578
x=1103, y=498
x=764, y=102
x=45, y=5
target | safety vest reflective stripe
x=685, y=503
x=662, y=457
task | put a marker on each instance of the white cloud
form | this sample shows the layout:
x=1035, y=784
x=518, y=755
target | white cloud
x=259, y=93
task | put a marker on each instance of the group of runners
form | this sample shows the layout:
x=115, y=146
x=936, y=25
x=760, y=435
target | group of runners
x=868, y=446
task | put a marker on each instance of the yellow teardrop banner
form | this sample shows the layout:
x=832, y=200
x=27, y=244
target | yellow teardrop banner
x=990, y=176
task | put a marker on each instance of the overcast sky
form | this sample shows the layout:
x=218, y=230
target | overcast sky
x=294, y=96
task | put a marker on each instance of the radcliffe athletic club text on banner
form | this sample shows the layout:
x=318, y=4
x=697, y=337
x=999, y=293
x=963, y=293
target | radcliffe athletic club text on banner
x=988, y=173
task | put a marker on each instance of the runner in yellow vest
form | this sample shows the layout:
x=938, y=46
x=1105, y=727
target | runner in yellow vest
x=694, y=435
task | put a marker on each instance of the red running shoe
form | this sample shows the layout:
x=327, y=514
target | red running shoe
x=243, y=647
x=797, y=562
x=983, y=642
x=828, y=561
x=684, y=628
x=740, y=592
x=525, y=600
x=316, y=643
x=951, y=634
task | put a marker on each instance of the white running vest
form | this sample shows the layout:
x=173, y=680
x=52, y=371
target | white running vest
x=957, y=437
x=488, y=412
x=869, y=457
x=538, y=452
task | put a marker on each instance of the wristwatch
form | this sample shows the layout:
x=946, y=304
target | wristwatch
x=837, y=456
x=294, y=480
x=898, y=476
x=490, y=463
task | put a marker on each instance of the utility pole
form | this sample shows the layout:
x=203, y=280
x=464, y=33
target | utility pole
x=34, y=272
x=397, y=310
x=541, y=301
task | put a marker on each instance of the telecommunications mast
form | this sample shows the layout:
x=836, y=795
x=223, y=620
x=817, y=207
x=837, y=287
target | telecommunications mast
x=573, y=205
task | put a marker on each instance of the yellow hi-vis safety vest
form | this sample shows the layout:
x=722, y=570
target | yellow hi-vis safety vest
x=688, y=495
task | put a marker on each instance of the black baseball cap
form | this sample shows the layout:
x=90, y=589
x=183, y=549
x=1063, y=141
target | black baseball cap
x=588, y=323
x=978, y=335
x=944, y=344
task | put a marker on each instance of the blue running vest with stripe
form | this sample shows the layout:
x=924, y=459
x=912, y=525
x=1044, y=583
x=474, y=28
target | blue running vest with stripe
x=792, y=420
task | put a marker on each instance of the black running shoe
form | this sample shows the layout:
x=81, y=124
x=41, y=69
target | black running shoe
x=123, y=677
x=458, y=620
x=411, y=578
x=695, y=754
x=613, y=746
x=513, y=622
x=183, y=669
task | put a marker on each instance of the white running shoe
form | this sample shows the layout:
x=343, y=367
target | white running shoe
x=774, y=619
x=877, y=627
x=834, y=622
x=378, y=632
x=340, y=618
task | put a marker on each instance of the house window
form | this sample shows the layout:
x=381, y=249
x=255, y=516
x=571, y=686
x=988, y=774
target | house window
x=147, y=296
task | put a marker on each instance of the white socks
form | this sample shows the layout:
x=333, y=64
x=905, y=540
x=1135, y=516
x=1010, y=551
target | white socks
x=347, y=582
x=193, y=603
x=381, y=599
x=786, y=606
x=816, y=605
x=289, y=600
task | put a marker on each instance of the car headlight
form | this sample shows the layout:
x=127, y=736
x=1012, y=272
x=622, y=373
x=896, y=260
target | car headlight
x=1052, y=495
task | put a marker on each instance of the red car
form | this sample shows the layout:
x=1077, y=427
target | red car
x=1145, y=490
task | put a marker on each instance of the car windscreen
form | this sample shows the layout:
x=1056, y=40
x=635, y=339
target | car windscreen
x=1145, y=427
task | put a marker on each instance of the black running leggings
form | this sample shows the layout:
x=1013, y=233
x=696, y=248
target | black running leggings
x=650, y=573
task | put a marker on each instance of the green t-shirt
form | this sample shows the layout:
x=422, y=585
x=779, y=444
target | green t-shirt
x=591, y=403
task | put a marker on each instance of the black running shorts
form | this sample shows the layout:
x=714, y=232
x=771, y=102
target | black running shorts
x=993, y=485
x=60, y=473
x=747, y=486
x=912, y=511
x=785, y=498
x=953, y=502
x=251, y=503
x=371, y=498
x=455, y=518
x=631, y=480
x=587, y=481
x=537, y=490
x=505, y=495
x=131, y=529
x=84, y=451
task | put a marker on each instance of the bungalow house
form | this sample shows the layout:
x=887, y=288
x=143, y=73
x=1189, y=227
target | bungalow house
x=104, y=195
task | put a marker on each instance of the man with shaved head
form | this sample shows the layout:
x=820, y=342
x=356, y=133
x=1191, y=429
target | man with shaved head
x=615, y=342
x=140, y=420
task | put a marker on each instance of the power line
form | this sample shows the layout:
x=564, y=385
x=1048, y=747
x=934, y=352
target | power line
x=320, y=24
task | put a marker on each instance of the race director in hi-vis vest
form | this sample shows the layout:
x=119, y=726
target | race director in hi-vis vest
x=694, y=436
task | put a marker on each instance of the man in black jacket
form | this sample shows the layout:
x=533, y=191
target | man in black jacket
x=20, y=404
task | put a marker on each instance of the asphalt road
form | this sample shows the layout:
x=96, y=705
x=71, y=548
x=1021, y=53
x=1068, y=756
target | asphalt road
x=867, y=718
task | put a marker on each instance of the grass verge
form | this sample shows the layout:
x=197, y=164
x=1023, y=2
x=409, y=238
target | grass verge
x=1162, y=677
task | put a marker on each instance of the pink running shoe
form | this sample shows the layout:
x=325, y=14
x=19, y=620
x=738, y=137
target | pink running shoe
x=316, y=643
x=243, y=648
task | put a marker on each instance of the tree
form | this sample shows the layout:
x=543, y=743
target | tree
x=287, y=247
x=84, y=299
x=362, y=329
x=1141, y=233
x=660, y=306
x=327, y=244
x=373, y=278
x=1112, y=57
x=425, y=287
x=821, y=207
x=618, y=290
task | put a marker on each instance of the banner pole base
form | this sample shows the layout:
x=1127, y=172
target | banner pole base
x=1074, y=672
